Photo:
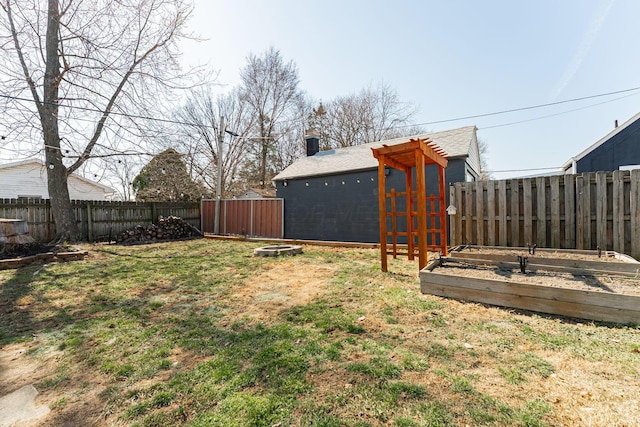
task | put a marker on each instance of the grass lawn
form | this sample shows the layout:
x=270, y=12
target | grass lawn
x=201, y=333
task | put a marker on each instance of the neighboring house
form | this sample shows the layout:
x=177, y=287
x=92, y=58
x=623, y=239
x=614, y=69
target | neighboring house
x=333, y=195
x=619, y=149
x=27, y=179
x=257, y=193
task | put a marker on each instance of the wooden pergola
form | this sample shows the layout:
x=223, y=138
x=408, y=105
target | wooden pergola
x=414, y=154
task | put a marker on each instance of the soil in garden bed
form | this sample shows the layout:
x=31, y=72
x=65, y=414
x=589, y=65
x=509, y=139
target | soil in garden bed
x=606, y=256
x=610, y=284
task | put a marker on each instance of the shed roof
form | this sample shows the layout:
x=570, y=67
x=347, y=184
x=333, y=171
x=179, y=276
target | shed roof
x=454, y=142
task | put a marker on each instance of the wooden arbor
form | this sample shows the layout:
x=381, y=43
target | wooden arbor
x=414, y=154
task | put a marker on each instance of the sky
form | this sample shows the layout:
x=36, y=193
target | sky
x=451, y=59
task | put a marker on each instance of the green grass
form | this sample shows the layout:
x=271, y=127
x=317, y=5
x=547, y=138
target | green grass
x=163, y=337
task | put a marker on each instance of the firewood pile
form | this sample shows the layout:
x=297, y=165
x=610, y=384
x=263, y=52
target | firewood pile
x=168, y=228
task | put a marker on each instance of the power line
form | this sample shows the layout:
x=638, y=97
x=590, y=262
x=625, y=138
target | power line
x=557, y=114
x=531, y=107
x=475, y=116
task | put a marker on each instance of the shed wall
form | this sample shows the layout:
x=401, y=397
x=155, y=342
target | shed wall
x=344, y=207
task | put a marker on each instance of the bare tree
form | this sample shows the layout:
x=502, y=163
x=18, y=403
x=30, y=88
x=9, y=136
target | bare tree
x=84, y=67
x=270, y=87
x=120, y=172
x=373, y=114
x=200, y=131
x=483, y=152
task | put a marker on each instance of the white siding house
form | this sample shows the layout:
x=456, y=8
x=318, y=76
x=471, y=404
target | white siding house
x=28, y=179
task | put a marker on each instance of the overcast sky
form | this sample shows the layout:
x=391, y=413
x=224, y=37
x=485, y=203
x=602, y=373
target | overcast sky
x=451, y=59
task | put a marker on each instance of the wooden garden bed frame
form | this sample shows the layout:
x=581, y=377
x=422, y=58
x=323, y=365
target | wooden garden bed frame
x=600, y=306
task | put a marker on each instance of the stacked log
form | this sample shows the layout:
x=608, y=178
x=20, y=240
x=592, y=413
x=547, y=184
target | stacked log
x=168, y=228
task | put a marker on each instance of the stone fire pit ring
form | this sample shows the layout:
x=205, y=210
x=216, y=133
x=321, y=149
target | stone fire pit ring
x=277, y=250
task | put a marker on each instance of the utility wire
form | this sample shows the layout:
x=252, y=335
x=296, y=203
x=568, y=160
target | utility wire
x=531, y=107
x=494, y=113
x=558, y=114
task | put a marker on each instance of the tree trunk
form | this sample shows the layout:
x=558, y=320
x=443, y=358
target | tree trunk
x=66, y=226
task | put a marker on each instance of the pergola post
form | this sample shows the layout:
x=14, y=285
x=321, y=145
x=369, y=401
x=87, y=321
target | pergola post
x=421, y=188
x=409, y=209
x=382, y=209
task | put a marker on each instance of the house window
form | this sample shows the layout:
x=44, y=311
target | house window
x=629, y=167
x=29, y=197
x=470, y=177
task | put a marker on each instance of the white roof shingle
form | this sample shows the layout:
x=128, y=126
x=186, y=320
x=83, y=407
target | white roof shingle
x=460, y=142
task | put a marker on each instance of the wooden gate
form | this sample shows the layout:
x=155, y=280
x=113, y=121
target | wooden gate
x=245, y=217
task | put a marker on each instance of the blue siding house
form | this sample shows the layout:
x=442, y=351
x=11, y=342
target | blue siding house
x=619, y=149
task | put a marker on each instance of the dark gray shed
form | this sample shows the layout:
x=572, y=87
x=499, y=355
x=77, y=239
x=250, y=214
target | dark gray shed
x=332, y=195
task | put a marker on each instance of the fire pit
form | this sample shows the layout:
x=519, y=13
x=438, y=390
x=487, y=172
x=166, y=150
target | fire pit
x=277, y=250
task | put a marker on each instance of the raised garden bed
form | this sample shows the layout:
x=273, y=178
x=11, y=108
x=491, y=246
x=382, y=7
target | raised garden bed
x=37, y=254
x=576, y=284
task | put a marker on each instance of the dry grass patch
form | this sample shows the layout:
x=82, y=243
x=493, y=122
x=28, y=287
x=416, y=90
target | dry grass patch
x=201, y=333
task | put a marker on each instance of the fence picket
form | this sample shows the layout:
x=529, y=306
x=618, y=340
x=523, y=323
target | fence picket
x=480, y=212
x=97, y=220
x=541, y=213
x=515, y=212
x=491, y=213
x=618, y=211
x=527, y=201
x=554, y=182
x=502, y=212
x=574, y=211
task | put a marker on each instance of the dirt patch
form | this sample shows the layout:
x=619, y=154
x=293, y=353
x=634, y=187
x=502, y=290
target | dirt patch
x=29, y=363
x=287, y=283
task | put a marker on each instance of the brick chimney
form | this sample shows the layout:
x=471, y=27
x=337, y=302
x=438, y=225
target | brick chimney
x=313, y=142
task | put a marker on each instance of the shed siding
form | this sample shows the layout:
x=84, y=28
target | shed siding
x=326, y=209
x=621, y=150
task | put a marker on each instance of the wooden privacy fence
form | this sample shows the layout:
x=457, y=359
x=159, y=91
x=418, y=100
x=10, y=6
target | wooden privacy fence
x=587, y=211
x=98, y=220
x=246, y=217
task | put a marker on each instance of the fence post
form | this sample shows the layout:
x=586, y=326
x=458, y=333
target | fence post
x=154, y=213
x=89, y=222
